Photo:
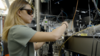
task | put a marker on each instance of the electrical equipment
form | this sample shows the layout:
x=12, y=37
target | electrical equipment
x=82, y=19
x=54, y=12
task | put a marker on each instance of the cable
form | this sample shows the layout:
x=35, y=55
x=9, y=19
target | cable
x=65, y=13
x=75, y=13
x=89, y=11
x=96, y=7
x=95, y=16
x=97, y=2
x=69, y=38
x=72, y=36
x=58, y=17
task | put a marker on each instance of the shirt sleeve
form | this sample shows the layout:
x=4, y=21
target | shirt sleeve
x=22, y=35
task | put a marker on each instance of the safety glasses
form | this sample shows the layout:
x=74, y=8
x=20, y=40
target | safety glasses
x=29, y=11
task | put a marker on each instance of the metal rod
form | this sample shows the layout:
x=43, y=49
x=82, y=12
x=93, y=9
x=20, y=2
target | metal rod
x=37, y=3
x=1, y=26
x=37, y=16
x=89, y=11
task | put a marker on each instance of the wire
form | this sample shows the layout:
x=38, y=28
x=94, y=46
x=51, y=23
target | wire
x=69, y=38
x=97, y=2
x=72, y=36
x=75, y=13
x=95, y=16
x=96, y=7
x=58, y=17
x=89, y=11
x=65, y=13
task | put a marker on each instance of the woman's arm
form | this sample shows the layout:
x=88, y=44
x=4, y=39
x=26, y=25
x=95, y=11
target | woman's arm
x=49, y=36
x=38, y=45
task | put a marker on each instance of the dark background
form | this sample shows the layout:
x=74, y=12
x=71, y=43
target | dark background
x=67, y=6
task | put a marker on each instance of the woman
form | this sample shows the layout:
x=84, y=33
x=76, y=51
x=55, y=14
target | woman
x=20, y=37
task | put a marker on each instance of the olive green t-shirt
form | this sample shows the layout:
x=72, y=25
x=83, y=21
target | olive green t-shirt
x=18, y=41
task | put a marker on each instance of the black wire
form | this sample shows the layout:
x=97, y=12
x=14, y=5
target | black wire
x=96, y=7
x=95, y=15
x=89, y=9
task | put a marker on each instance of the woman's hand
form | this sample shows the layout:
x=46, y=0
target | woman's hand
x=65, y=22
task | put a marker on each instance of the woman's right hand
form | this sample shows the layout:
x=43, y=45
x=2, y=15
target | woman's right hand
x=65, y=22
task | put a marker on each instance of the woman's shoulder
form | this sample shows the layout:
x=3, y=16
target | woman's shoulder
x=19, y=27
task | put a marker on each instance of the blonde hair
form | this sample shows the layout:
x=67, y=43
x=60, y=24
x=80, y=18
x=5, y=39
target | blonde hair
x=12, y=17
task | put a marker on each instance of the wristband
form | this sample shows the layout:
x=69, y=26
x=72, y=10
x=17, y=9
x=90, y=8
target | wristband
x=65, y=24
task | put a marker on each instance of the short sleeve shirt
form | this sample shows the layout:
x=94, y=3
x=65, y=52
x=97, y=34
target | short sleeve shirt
x=18, y=41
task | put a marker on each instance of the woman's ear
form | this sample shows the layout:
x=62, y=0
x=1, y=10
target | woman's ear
x=19, y=13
